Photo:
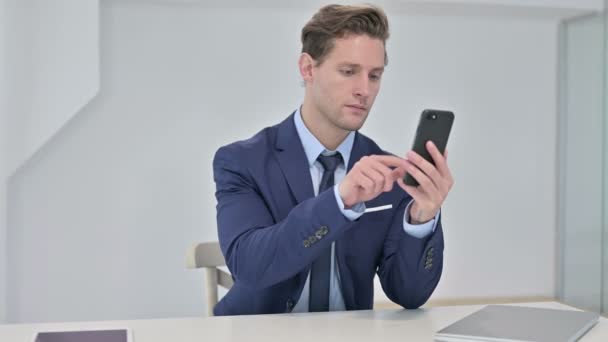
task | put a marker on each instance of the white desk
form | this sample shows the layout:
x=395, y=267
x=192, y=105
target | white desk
x=380, y=325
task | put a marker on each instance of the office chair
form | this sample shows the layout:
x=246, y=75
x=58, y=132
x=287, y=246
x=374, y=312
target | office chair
x=208, y=255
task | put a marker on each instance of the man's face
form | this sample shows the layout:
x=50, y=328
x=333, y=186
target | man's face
x=344, y=86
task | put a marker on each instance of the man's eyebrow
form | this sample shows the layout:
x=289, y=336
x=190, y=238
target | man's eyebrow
x=358, y=66
x=351, y=65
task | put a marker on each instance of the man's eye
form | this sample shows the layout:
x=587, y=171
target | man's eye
x=346, y=72
x=374, y=77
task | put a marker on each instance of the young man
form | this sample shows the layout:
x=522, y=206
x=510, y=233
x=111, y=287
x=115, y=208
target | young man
x=291, y=199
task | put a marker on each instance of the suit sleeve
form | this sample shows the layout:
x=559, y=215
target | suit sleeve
x=410, y=267
x=259, y=251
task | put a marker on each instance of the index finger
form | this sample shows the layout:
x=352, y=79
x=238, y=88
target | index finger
x=390, y=160
x=440, y=160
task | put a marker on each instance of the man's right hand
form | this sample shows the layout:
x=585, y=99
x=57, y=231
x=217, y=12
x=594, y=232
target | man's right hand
x=369, y=177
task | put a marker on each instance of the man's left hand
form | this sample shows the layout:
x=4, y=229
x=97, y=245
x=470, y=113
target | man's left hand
x=435, y=182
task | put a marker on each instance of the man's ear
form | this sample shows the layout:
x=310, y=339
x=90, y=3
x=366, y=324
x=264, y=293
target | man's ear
x=306, y=64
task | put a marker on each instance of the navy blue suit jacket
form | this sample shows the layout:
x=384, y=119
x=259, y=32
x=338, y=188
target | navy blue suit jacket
x=271, y=227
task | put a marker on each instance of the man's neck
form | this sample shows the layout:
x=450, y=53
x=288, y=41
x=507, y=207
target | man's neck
x=327, y=133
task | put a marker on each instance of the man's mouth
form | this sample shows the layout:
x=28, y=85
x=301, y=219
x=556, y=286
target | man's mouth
x=356, y=106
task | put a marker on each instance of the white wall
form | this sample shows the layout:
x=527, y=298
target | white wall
x=596, y=5
x=100, y=218
x=55, y=67
x=605, y=208
x=51, y=60
x=3, y=147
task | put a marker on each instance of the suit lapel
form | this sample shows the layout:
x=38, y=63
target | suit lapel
x=360, y=149
x=294, y=164
x=292, y=160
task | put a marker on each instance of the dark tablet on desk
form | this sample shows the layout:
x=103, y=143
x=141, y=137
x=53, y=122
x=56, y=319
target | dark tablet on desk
x=105, y=335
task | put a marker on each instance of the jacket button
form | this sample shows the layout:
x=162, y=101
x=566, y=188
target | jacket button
x=323, y=230
x=289, y=304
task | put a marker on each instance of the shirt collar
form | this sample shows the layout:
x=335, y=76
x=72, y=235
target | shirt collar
x=313, y=148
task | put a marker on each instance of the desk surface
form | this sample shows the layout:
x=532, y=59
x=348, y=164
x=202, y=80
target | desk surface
x=379, y=325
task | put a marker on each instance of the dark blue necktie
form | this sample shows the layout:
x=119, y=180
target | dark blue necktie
x=321, y=268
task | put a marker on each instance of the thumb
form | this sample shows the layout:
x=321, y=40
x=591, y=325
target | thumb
x=398, y=173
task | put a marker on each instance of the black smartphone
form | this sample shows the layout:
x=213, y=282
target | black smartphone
x=434, y=125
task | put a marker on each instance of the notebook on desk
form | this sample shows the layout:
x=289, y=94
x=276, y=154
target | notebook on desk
x=507, y=323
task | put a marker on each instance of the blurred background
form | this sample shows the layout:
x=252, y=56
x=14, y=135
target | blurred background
x=111, y=112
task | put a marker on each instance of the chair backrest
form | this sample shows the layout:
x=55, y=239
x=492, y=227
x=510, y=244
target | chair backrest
x=208, y=256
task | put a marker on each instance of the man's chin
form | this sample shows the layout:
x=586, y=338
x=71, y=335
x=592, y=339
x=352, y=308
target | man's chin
x=352, y=125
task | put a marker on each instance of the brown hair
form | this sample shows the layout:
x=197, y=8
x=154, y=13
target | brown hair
x=339, y=21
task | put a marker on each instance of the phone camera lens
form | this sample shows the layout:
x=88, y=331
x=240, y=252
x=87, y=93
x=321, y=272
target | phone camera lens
x=432, y=116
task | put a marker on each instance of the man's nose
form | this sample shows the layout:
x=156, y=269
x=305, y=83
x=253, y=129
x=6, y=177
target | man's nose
x=362, y=86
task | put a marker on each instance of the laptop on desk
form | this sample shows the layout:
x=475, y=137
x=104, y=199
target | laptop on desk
x=506, y=323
